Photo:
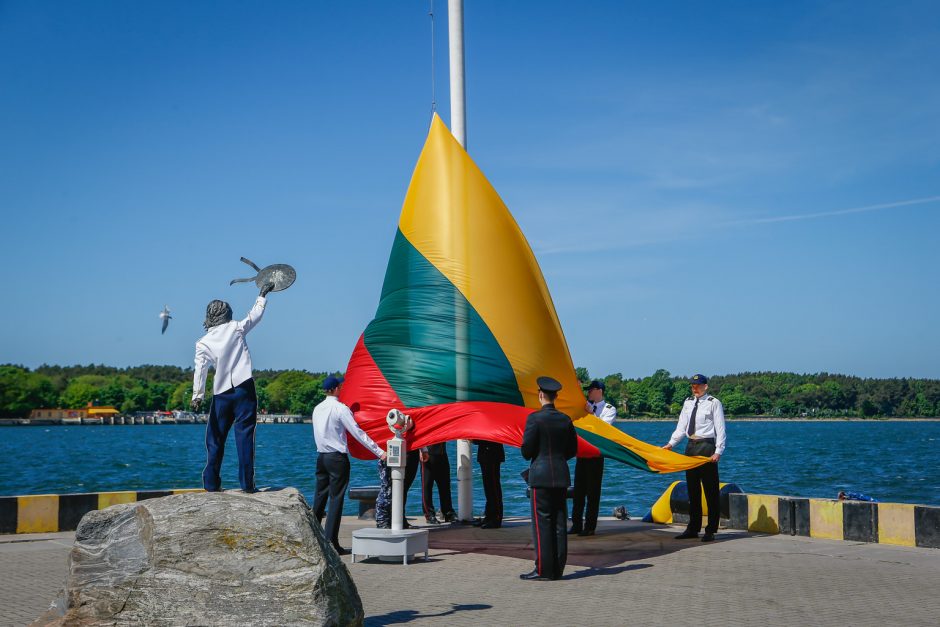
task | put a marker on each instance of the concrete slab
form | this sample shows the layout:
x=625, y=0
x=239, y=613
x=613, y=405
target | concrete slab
x=629, y=572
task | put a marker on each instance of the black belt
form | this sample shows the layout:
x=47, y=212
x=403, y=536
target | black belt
x=711, y=440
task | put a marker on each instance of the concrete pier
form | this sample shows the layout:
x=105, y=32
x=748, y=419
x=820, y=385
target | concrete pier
x=629, y=572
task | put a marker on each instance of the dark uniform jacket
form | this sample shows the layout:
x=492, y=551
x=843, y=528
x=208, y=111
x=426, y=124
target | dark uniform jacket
x=549, y=441
x=490, y=452
x=437, y=449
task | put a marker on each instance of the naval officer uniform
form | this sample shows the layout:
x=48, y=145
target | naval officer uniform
x=702, y=420
x=589, y=471
x=548, y=442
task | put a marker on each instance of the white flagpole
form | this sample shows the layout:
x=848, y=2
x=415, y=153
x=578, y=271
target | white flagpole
x=458, y=100
x=458, y=126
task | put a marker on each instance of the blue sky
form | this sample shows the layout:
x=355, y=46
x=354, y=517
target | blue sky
x=713, y=187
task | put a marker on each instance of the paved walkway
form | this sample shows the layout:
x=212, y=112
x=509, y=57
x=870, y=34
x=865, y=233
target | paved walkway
x=32, y=572
x=629, y=573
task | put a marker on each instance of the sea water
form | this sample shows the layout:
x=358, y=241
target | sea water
x=890, y=461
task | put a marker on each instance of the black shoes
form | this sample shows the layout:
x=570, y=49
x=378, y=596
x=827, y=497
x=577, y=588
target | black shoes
x=586, y=532
x=534, y=576
x=708, y=537
x=388, y=525
x=432, y=520
x=341, y=551
x=685, y=535
x=483, y=523
x=575, y=529
x=450, y=516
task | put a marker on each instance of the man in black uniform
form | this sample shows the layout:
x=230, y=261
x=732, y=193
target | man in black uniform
x=548, y=442
x=490, y=455
x=435, y=468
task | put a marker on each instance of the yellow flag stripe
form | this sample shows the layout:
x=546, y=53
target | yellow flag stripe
x=458, y=222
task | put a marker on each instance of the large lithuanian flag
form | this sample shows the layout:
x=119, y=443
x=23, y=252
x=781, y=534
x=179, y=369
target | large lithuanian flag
x=465, y=324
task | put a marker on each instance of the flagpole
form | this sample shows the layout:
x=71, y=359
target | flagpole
x=458, y=100
x=458, y=126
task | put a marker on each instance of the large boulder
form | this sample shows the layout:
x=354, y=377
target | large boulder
x=224, y=558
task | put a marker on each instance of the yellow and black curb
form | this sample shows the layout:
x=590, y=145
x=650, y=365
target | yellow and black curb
x=859, y=521
x=48, y=513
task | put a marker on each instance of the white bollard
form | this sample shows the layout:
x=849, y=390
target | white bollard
x=396, y=460
x=398, y=485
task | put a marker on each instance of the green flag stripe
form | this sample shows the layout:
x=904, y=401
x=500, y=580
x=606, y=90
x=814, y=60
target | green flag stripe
x=614, y=450
x=413, y=340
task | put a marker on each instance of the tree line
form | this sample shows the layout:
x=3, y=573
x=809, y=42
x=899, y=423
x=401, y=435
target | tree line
x=772, y=394
x=143, y=388
x=777, y=394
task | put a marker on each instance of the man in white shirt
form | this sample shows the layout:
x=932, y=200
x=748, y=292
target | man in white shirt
x=234, y=401
x=332, y=422
x=589, y=471
x=702, y=419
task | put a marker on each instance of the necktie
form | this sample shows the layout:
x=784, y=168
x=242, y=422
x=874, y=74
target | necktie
x=692, y=419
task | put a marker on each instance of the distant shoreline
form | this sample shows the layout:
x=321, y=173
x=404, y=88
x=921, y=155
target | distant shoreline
x=782, y=419
x=21, y=422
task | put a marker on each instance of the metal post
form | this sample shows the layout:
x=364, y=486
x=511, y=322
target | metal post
x=398, y=494
x=458, y=100
x=458, y=126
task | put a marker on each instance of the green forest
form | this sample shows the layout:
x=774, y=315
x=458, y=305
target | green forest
x=772, y=394
x=143, y=388
x=778, y=394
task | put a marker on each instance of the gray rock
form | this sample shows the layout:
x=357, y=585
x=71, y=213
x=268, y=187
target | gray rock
x=208, y=559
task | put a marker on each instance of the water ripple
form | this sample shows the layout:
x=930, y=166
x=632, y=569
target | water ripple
x=892, y=461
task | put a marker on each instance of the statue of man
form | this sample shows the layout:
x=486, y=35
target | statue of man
x=234, y=401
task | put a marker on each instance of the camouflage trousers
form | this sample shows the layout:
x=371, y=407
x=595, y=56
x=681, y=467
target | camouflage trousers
x=383, y=503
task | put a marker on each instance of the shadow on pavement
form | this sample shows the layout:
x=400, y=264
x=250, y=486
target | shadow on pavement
x=594, y=572
x=615, y=542
x=406, y=616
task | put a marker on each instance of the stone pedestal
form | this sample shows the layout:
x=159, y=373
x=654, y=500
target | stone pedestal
x=389, y=543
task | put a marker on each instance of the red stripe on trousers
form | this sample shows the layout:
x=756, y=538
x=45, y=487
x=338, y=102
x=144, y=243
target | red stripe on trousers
x=538, y=536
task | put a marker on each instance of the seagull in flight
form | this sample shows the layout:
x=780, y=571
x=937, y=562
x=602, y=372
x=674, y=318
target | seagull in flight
x=165, y=316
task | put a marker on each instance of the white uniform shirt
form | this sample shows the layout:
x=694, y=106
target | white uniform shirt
x=709, y=421
x=604, y=410
x=331, y=421
x=224, y=347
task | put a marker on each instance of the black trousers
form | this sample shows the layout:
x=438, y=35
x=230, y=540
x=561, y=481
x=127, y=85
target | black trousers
x=493, y=491
x=550, y=530
x=705, y=476
x=588, y=476
x=436, y=471
x=332, y=481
